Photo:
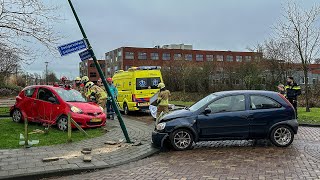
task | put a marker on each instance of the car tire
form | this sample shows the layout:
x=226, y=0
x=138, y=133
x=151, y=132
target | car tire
x=181, y=139
x=17, y=116
x=62, y=123
x=125, y=109
x=281, y=136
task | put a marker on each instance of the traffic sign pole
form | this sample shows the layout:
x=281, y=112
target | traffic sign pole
x=123, y=127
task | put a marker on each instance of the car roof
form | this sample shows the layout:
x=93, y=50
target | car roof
x=235, y=92
x=43, y=86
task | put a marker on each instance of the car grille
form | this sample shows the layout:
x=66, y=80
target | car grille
x=94, y=114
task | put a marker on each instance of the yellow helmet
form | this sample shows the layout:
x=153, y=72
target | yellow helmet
x=89, y=84
x=85, y=79
x=78, y=79
x=161, y=85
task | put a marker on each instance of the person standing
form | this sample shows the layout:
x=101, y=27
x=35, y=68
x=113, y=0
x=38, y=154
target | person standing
x=163, y=99
x=114, y=92
x=293, y=90
x=281, y=89
x=84, y=81
x=77, y=84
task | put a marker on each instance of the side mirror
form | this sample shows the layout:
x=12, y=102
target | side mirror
x=207, y=111
x=52, y=100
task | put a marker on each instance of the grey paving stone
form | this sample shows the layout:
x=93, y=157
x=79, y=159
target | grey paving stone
x=9, y=167
x=69, y=166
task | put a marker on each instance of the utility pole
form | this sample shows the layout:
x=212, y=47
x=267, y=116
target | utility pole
x=113, y=101
x=46, y=72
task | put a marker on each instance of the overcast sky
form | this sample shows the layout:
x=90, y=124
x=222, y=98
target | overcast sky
x=206, y=24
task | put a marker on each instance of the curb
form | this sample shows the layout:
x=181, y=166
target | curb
x=309, y=125
x=51, y=173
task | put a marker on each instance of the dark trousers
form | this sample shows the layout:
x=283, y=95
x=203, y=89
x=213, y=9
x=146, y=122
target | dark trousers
x=110, y=110
x=294, y=104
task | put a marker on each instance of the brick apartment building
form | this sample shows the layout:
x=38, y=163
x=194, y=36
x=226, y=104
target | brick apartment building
x=126, y=57
x=87, y=68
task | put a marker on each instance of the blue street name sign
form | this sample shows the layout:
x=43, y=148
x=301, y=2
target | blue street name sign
x=72, y=47
x=87, y=54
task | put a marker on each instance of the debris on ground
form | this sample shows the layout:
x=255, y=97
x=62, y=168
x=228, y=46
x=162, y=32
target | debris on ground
x=50, y=159
x=87, y=158
x=111, y=142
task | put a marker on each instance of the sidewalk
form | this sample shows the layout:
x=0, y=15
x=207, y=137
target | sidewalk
x=27, y=163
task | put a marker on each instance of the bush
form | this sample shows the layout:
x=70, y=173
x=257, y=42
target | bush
x=9, y=90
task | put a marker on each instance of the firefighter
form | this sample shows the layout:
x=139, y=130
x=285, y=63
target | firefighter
x=163, y=99
x=84, y=81
x=100, y=84
x=63, y=81
x=114, y=92
x=98, y=93
x=293, y=90
x=77, y=84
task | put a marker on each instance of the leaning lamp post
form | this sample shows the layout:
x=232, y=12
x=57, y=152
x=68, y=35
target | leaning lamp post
x=123, y=127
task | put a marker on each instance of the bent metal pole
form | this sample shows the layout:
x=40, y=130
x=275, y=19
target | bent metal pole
x=123, y=127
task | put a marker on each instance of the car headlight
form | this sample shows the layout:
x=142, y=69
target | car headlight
x=101, y=108
x=161, y=126
x=76, y=110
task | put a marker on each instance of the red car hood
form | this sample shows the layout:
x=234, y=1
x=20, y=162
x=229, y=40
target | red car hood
x=86, y=107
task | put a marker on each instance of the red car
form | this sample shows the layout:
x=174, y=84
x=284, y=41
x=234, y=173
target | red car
x=51, y=105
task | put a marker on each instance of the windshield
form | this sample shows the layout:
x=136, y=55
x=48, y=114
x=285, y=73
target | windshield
x=202, y=102
x=147, y=83
x=70, y=95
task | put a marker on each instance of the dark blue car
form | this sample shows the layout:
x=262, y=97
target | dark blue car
x=229, y=115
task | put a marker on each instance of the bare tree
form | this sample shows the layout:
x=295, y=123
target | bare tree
x=24, y=23
x=298, y=27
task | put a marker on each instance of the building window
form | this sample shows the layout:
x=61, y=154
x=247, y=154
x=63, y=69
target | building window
x=209, y=57
x=239, y=58
x=92, y=65
x=199, y=57
x=108, y=69
x=229, y=58
x=116, y=68
x=142, y=56
x=166, y=56
x=102, y=65
x=247, y=58
x=219, y=57
x=129, y=55
x=314, y=81
x=188, y=57
x=155, y=56
x=177, y=56
x=119, y=53
x=93, y=74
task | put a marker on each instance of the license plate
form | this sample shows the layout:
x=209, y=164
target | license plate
x=143, y=104
x=96, y=120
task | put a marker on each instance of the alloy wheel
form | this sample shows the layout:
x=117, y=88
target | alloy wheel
x=282, y=136
x=182, y=139
x=63, y=123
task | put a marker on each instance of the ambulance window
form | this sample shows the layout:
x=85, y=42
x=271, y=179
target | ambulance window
x=146, y=83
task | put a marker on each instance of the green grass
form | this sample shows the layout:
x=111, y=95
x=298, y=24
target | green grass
x=181, y=103
x=10, y=134
x=4, y=111
x=312, y=117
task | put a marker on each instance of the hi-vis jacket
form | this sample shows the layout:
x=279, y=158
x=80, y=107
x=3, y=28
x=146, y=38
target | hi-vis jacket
x=163, y=98
x=98, y=92
x=292, y=91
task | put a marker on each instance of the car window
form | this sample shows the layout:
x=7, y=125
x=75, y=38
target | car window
x=262, y=102
x=44, y=94
x=70, y=95
x=228, y=104
x=202, y=102
x=29, y=92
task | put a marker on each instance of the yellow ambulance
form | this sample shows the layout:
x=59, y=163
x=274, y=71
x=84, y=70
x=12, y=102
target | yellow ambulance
x=136, y=86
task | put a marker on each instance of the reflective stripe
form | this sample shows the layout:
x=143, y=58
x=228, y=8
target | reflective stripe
x=296, y=88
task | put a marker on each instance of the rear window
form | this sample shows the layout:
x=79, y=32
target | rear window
x=29, y=92
x=262, y=102
x=147, y=83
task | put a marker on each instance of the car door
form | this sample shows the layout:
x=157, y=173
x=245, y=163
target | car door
x=228, y=119
x=26, y=105
x=44, y=110
x=265, y=112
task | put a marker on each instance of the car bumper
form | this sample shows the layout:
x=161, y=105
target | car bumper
x=158, y=138
x=86, y=121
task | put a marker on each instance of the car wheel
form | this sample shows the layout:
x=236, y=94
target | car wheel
x=16, y=116
x=62, y=123
x=125, y=109
x=181, y=139
x=281, y=136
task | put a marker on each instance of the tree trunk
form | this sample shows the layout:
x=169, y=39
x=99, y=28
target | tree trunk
x=305, y=70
